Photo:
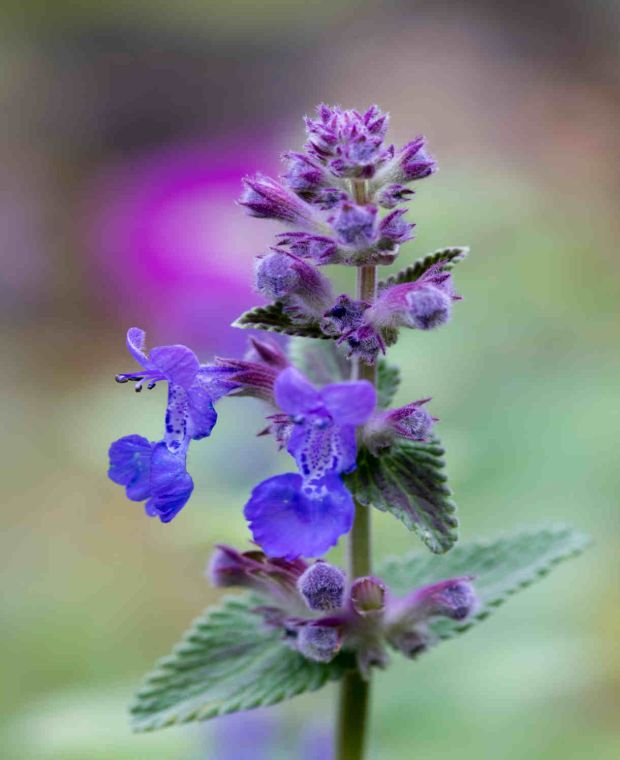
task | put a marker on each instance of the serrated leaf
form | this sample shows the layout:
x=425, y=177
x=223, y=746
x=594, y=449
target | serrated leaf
x=408, y=481
x=274, y=318
x=450, y=257
x=501, y=568
x=388, y=380
x=228, y=661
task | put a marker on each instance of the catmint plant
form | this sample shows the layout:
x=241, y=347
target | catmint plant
x=298, y=621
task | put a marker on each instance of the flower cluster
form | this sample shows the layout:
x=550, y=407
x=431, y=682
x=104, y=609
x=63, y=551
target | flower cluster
x=329, y=222
x=321, y=613
x=341, y=200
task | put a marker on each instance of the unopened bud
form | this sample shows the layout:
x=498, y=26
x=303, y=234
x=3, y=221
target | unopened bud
x=322, y=586
x=318, y=643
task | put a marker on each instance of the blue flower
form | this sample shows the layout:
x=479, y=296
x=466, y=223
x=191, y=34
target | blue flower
x=151, y=472
x=189, y=413
x=322, y=440
x=290, y=518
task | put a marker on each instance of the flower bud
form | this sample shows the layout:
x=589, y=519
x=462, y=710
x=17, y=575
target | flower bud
x=368, y=596
x=355, y=225
x=411, y=642
x=344, y=316
x=318, y=643
x=394, y=230
x=454, y=598
x=391, y=195
x=428, y=307
x=322, y=250
x=279, y=275
x=411, y=421
x=322, y=586
x=267, y=199
x=303, y=175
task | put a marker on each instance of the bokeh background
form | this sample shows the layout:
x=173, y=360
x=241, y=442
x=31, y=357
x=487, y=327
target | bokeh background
x=127, y=126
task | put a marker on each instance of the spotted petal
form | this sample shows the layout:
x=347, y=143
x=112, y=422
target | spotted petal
x=288, y=519
x=176, y=417
x=320, y=450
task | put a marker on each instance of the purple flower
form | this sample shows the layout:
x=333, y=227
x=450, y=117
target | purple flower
x=267, y=199
x=323, y=437
x=290, y=518
x=190, y=413
x=411, y=421
x=344, y=316
x=423, y=304
x=151, y=472
x=320, y=613
x=349, y=143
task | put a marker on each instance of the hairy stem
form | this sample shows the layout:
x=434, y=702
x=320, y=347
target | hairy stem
x=354, y=700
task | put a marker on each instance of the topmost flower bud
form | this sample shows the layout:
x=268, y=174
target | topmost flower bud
x=349, y=143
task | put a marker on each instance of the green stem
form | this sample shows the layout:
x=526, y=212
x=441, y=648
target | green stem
x=354, y=700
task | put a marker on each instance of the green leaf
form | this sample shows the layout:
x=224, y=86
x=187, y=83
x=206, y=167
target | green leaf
x=450, y=256
x=275, y=319
x=388, y=380
x=227, y=662
x=501, y=568
x=408, y=481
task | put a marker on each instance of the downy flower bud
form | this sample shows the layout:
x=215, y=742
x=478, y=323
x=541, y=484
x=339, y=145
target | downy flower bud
x=303, y=175
x=411, y=421
x=344, y=316
x=391, y=195
x=322, y=586
x=319, y=642
x=394, y=230
x=281, y=275
x=267, y=199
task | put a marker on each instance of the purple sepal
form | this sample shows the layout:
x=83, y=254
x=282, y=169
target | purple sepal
x=411, y=163
x=265, y=198
x=290, y=519
x=394, y=229
x=304, y=175
x=263, y=350
x=253, y=569
x=344, y=316
x=323, y=250
x=391, y=195
x=150, y=471
x=454, y=598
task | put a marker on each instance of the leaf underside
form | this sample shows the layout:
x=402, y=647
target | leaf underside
x=408, y=481
x=275, y=319
x=231, y=661
x=388, y=381
x=450, y=257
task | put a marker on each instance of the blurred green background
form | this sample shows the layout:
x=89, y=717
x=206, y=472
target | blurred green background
x=126, y=129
